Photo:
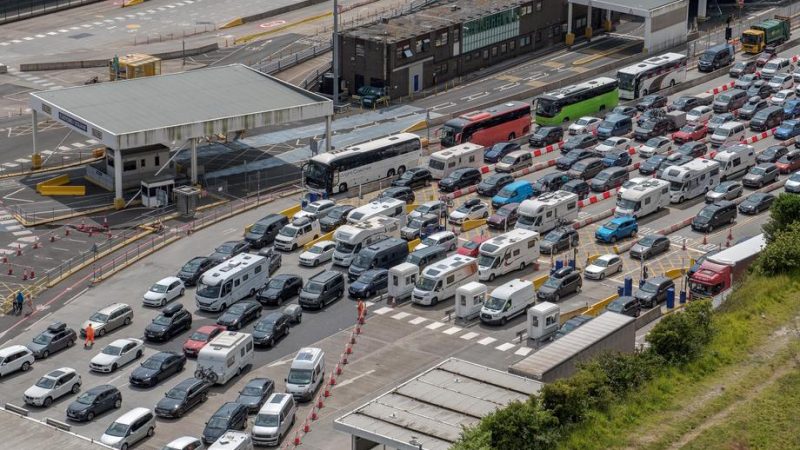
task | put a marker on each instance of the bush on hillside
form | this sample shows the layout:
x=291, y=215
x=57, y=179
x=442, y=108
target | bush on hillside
x=679, y=338
x=785, y=211
x=782, y=255
x=519, y=426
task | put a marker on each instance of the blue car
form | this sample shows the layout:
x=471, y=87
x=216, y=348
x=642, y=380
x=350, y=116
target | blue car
x=515, y=192
x=791, y=109
x=496, y=152
x=369, y=283
x=619, y=158
x=788, y=130
x=616, y=229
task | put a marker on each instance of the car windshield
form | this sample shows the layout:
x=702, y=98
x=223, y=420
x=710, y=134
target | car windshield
x=337, y=213
x=266, y=324
x=198, y=336
x=435, y=163
x=600, y=263
x=757, y=171
x=427, y=284
x=314, y=288
x=487, y=261
x=152, y=364
x=208, y=291
x=253, y=391
x=628, y=204
x=611, y=226
x=503, y=212
x=299, y=376
x=583, y=121
x=288, y=231
x=795, y=176
x=267, y=420
x=46, y=383
x=505, y=193
x=610, y=142
x=362, y=260
x=647, y=241
x=218, y=422
x=615, y=307
x=724, y=98
x=117, y=429
x=317, y=250
x=508, y=159
x=649, y=287
x=772, y=65
x=112, y=350
x=176, y=394
x=494, y=303
x=258, y=228
x=552, y=282
x=553, y=236
x=471, y=245
x=162, y=320
x=42, y=339
x=87, y=398
x=194, y=264
x=722, y=188
x=603, y=176
x=98, y=317
x=653, y=142
x=159, y=288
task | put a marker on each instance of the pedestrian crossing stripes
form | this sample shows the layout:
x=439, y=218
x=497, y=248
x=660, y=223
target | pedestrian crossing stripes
x=417, y=321
x=505, y=347
x=435, y=325
x=452, y=330
x=400, y=315
x=469, y=336
x=487, y=340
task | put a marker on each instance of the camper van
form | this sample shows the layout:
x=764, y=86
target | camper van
x=387, y=207
x=225, y=357
x=440, y=280
x=306, y=373
x=231, y=281
x=548, y=211
x=378, y=255
x=444, y=162
x=297, y=233
x=351, y=238
x=643, y=199
x=506, y=253
x=692, y=179
x=736, y=160
x=508, y=301
x=274, y=419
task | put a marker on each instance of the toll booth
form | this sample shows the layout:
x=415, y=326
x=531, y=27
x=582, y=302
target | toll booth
x=135, y=65
x=186, y=199
x=158, y=192
x=402, y=279
x=469, y=300
x=543, y=321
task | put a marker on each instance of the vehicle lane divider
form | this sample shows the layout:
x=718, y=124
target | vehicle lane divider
x=723, y=88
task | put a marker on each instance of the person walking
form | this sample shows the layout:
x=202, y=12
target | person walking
x=89, y=343
x=362, y=311
x=18, y=302
x=30, y=304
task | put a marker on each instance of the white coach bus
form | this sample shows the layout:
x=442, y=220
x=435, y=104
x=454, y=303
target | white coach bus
x=651, y=75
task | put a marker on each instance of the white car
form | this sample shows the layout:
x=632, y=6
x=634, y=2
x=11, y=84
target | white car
x=315, y=210
x=320, y=252
x=471, y=209
x=14, y=358
x=603, y=266
x=699, y=115
x=615, y=143
x=793, y=183
x=587, y=124
x=780, y=97
x=432, y=207
x=117, y=354
x=446, y=239
x=659, y=145
x=781, y=81
x=162, y=292
x=53, y=386
x=185, y=443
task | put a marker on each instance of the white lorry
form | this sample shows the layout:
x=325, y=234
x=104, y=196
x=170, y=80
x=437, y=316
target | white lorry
x=548, y=211
x=352, y=237
x=643, y=199
x=225, y=357
x=508, y=301
x=506, y=253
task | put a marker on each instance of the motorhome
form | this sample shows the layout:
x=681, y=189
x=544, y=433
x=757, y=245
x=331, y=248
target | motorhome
x=736, y=160
x=351, y=238
x=508, y=301
x=306, y=373
x=225, y=356
x=643, y=199
x=232, y=280
x=387, y=207
x=692, y=179
x=444, y=162
x=440, y=280
x=548, y=211
x=513, y=250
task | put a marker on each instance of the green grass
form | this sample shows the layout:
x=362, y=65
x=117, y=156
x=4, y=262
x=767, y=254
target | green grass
x=655, y=416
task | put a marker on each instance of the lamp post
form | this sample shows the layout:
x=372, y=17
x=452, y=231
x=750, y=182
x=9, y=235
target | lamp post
x=335, y=53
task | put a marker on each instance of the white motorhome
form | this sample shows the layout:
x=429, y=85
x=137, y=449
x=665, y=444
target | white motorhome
x=643, y=199
x=443, y=162
x=233, y=440
x=508, y=301
x=631, y=183
x=736, y=160
x=387, y=207
x=402, y=279
x=306, y=373
x=692, y=179
x=225, y=357
x=548, y=211
x=512, y=250
x=351, y=238
x=440, y=280
x=231, y=281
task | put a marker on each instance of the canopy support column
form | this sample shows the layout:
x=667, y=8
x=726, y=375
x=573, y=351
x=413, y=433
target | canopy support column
x=119, y=201
x=193, y=161
x=570, y=36
x=36, y=157
x=328, y=132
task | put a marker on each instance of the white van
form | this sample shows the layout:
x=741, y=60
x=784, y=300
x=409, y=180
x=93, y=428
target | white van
x=306, y=373
x=225, y=357
x=388, y=207
x=233, y=440
x=444, y=162
x=642, y=199
x=548, y=211
x=231, y=281
x=274, y=420
x=508, y=301
x=728, y=133
x=513, y=250
x=297, y=233
x=130, y=428
x=440, y=280
x=736, y=160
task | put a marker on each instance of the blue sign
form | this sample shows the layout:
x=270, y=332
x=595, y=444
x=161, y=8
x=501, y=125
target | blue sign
x=72, y=121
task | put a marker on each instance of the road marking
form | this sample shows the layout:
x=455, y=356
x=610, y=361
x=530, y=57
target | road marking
x=78, y=144
x=383, y=310
x=279, y=363
x=523, y=351
x=435, y=325
x=34, y=323
x=470, y=335
x=350, y=380
x=92, y=141
x=22, y=233
x=229, y=231
x=368, y=304
x=472, y=97
x=21, y=160
x=400, y=315
x=452, y=330
x=61, y=249
x=504, y=347
x=64, y=148
x=417, y=321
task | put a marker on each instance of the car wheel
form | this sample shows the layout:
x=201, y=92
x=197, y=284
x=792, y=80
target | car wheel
x=45, y=354
x=139, y=354
x=434, y=301
x=114, y=367
x=613, y=239
x=556, y=298
x=48, y=401
x=75, y=388
x=70, y=342
x=183, y=291
x=118, y=403
x=25, y=366
x=710, y=228
x=522, y=265
x=127, y=322
x=204, y=397
x=271, y=342
x=491, y=277
x=90, y=416
x=150, y=432
x=343, y=187
x=125, y=446
x=163, y=302
x=512, y=136
x=602, y=275
x=503, y=321
x=316, y=263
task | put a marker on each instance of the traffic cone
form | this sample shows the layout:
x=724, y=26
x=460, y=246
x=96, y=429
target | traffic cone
x=730, y=233
x=358, y=329
x=326, y=393
x=352, y=338
x=314, y=415
x=66, y=230
x=297, y=438
x=5, y=259
x=82, y=225
x=105, y=222
x=33, y=274
x=338, y=369
x=35, y=244
x=52, y=238
x=343, y=359
x=348, y=349
x=320, y=404
x=10, y=269
x=19, y=250
x=333, y=380
x=306, y=427
x=705, y=239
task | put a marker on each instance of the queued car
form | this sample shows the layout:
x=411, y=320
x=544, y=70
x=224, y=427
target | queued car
x=660, y=145
x=603, y=266
x=200, y=338
x=586, y=169
x=651, y=164
x=556, y=288
x=496, y=152
x=781, y=81
x=240, y=314
x=280, y=288
x=413, y=178
x=565, y=162
x=650, y=245
x=699, y=115
x=516, y=192
x=684, y=103
x=116, y=355
x=317, y=254
x=315, y=210
x=791, y=108
x=446, y=239
x=549, y=183
x=764, y=57
x=572, y=324
x=56, y=337
x=625, y=305
x=544, y=136
x=614, y=143
x=761, y=175
x=586, y=124
x=740, y=68
x=460, y=179
x=182, y=398
x=337, y=216
x=756, y=203
x=651, y=101
x=719, y=119
x=675, y=159
x=435, y=207
x=93, y=402
x=745, y=81
x=579, y=141
x=421, y=226
x=228, y=250
x=790, y=161
x=173, y=320
x=108, y=319
x=255, y=393
x=759, y=88
x=787, y=130
x=753, y=105
x=471, y=247
x=157, y=368
x=629, y=111
x=274, y=259
x=370, y=283
x=727, y=190
x=781, y=97
x=505, y=217
x=164, y=291
x=229, y=416
x=693, y=148
x=472, y=209
x=403, y=193
x=793, y=183
x=617, y=158
x=578, y=187
x=609, y=178
x=191, y=272
x=654, y=291
x=271, y=328
x=558, y=239
x=771, y=154
x=492, y=184
x=690, y=132
x=52, y=386
x=616, y=229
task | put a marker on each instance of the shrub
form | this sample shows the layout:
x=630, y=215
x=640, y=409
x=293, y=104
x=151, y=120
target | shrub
x=570, y=399
x=518, y=426
x=785, y=210
x=626, y=372
x=782, y=255
x=679, y=338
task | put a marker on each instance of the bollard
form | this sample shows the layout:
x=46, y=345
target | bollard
x=559, y=264
x=620, y=291
x=641, y=282
x=25, y=275
x=66, y=230
x=19, y=250
x=571, y=263
x=670, y=298
x=628, y=286
x=32, y=274
x=683, y=297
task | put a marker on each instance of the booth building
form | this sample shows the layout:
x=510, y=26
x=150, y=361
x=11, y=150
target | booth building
x=409, y=53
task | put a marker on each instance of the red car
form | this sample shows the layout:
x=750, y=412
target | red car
x=200, y=338
x=789, y=162
x=472, y=246
x=690, y=132
x=765, y=56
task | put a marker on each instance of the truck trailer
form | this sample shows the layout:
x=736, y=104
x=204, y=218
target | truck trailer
x=720, y=271
x=768, y=32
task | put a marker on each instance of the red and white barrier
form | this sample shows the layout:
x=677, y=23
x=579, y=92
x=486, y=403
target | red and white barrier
x=549, y=149
x=596, y=198
x=758, y=137
x=723, y=88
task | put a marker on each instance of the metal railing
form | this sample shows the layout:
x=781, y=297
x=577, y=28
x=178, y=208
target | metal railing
x=19, y=9
x=283, y=63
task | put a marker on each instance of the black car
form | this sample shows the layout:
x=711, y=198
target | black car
x=414, y=177
x=625, y=305
x=96, y=400
x=561, y=238
x=280, y=288
x=184, y=396
x=228, y=250
x=742, y=68
x=649, y=246
x=504, y=217
x=156, y=368
x=756, y=202
x=654, y=291
x=459, y=179
x=753, y=105
x=496, y=152
x=492, y=184
x=609, y=178
x=579, y=141
x=565, y=162
x=255, y=393
x=229, y=416
x=369, y=283
x=271, y=328
x=586, y=169
x=578, y=187
x=629, y=111
x=405, y=194
x=274, y=259
x=240, y=314
x=549, y=183
x=173, y=320
x=56, y=337
x=555, y=288
x=684, y=103
x=191, y=272
x=759, y=88
x=545, y=136
x=772, y=154
x=651, y=164
x=651, y=102
x=693, y=148
x=263, y=232
x=572, y=324
x=335, y=217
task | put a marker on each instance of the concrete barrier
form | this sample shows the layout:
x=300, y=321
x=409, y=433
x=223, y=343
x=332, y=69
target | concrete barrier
x=56, y=181
x=539, y=281
x=565, y=316
x=472, y=224
x=411, y=207
x=674, y=274
x=57, y=423
x=421, y=125
x=289, y=212
x=250, y=37
x=84, y=64
x=598, y=307
x=232, y=23
x=62, y=190
x=413, y=244
x=325, y=237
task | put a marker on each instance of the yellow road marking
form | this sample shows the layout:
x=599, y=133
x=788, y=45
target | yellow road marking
x=603, y=54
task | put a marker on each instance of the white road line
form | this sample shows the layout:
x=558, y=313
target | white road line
x=28, y=38
x=504, y=347
x=383, y=310
x=469, y=336
x=229, y=231
x=10, y=164
x=435, y=325
x=22, y=160
x=417, y=321
x=16, y=41
x=350, y=380
x=40, y=36
x=368, y=304
x=22, y=233
x=523, y=351
x=452, y=330
x=78, y=144
x=76, y=295
x=52, y=33
x=279, y=363
x=64, y=148
x=92, y=141
x=400, y=315
x=63, y=31
x=487, y=340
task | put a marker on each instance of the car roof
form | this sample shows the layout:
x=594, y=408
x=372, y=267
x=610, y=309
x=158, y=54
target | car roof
x=102, y=388
x=168, y=280
x=111, y=308
x=622, y=219
x=606, y=257
x=60, y=372
x=325, y=275
x=161, y=356
x=273, y=315
x=228, y=408
x=122, y=342
x=259, y=382
x=209, y=328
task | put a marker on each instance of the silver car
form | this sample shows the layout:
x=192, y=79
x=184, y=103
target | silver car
x=727, y=190
x=53, y=386
x=108, y=319
x=603, y=266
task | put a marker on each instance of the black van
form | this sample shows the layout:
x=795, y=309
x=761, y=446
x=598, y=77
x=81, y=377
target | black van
x=321, y=289
x=714, y=216
x=716, y=57
x=263, y=232
x=615, y=125
x=546, y=136
x=229, y=416
x=769, y=117
x=426, y=256
x=379, y=255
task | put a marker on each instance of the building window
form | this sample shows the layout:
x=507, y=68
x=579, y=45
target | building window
x=456, y=35
x=442, y=68
x=511, y=45
x=418, y=45
x=158, y=160
x=539, y=6
x=525, y=10
x=491, y=29
x=359, y=50
x=494, y=51
x=110, y=160
x=525, y=40
x=486, y=54
x=127, y=166
x=503, y=48
x=142, y=163
x=426, y=45
x=468, y=57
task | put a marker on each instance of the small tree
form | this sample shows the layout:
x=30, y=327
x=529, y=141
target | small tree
x=782, y=255
x=522, y=426
x=571, y=398
x=679, y=337
x=785, y=210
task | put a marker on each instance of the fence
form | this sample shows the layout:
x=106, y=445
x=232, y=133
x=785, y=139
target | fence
x=275, y=66
x=21, y=9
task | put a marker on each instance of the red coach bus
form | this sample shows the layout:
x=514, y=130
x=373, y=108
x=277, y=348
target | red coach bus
x=497, y=124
